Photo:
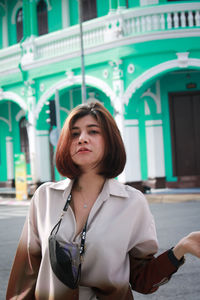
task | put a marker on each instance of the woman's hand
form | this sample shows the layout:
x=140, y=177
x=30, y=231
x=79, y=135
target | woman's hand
x=189, y=244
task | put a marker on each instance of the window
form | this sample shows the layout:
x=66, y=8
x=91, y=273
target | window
x=24, y=145
x=42, y=17
x=89, y=8
x=19, y=24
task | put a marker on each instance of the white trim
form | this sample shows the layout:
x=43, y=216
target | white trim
x=18, y=5
x=5, y=31
x=10, y=71
x=9, y=158
x=20, y=114
x=132, y=169
x=150, y=123
x=16, y=98
x=153, y=72
x=148, y=2
x=155, y=97
x=65, y=13
x=42, y=132
x=155, y=151
x=10, y=115
x=5, y=120
x=67, y=111
x=66, y=83
x=131, y=123
x=180, y=33
x=49, y=7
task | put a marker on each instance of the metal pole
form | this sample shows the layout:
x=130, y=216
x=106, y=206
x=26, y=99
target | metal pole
x=83, y=87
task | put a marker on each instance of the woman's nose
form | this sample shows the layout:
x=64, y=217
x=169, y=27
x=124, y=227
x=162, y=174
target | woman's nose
x=83, y=138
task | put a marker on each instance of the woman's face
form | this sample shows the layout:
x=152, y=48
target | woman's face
x=87, y=146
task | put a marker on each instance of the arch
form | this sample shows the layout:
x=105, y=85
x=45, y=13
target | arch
x=155, y=72
x=49, y=7
x=20, y=114
x=15, y=98
x=76, y=80
x=19, y=24
x=18, y=5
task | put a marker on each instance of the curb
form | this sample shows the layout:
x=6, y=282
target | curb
x=171, y=198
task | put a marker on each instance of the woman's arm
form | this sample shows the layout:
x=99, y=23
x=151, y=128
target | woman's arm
x=147, y=274
x=189, y=244
x=26, y=264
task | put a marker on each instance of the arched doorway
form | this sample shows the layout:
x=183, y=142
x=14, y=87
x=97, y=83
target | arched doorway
x=185, y=136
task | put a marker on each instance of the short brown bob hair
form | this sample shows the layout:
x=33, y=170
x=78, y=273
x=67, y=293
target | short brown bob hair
x=114, y=158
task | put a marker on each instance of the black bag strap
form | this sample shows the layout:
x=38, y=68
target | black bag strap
x=57, y=226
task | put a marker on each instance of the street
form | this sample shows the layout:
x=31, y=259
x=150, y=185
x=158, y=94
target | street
x=173, y=221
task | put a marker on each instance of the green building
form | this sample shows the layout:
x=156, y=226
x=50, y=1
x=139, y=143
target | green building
x=142, y=61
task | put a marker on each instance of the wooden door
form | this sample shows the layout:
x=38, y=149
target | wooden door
x=185, y=133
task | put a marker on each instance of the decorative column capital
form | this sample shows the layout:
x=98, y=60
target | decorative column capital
x=117, y=70
x=28, y=51
x=183, y=59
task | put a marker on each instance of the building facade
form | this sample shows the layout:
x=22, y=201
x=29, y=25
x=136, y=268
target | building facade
x=142, y=61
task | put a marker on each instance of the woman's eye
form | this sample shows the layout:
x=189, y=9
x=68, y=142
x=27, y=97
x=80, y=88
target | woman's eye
x=93, y=132
x=75, y=134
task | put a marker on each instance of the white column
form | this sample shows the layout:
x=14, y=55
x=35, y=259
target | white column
x=5, y=31
x=65, y=13
x=43, y=154
x=32, y=135
x=33, y=155
x=131, y=140
x=155, y=149
x=118, y=105
x=9, y=158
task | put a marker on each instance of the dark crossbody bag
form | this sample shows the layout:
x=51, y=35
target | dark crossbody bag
x=66, y=257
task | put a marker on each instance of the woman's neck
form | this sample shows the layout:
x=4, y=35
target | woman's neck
x=90, y=182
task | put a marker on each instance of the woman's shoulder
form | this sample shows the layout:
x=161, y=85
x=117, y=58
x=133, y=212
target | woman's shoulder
x=50, y=194
x=126, y=191
x=48, y=189
x=58, y=185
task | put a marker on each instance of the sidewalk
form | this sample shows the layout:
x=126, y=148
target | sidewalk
x=13, y=201
x=156, y=196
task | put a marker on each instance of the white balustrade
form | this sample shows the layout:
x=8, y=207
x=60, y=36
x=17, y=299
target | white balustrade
x=162, y=22
x=183, y=19
x=176, y=20
x=197, y=18
x=169, y=21
x=9, y=58
x=113, y=27
x=190, y=19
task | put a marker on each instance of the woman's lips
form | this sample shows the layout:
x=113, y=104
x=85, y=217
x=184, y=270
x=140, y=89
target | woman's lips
x=83, y=150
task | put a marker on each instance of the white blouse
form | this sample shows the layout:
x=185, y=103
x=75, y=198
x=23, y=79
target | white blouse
x=120, y=221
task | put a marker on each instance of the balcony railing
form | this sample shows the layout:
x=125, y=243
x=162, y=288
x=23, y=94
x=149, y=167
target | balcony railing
x=100, y=33
x=10, y=58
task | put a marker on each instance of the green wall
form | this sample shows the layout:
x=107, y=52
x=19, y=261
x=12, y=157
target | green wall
x=55, y=16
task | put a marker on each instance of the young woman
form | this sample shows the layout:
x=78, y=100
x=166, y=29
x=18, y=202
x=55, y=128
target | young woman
x=109, y=222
